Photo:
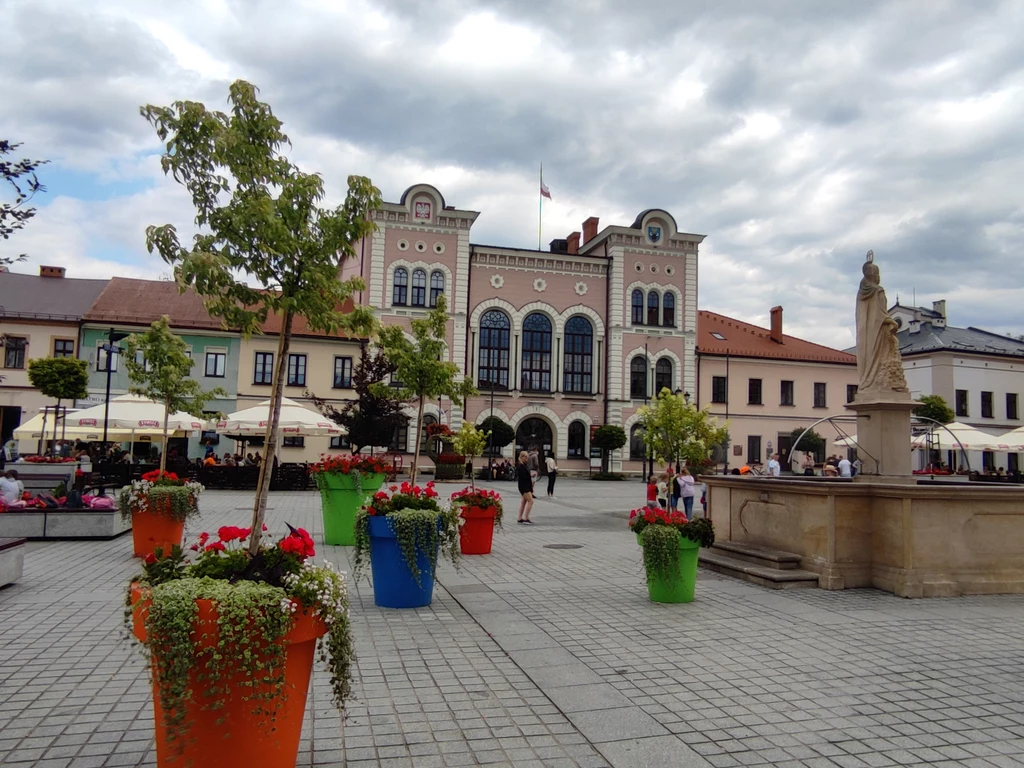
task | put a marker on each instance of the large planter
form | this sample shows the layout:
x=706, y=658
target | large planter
x=232, y=735
x=341, y=500
x=477, y=532
x=449, y=471
x=394, y=585
x=679, y=590
x=156, y=529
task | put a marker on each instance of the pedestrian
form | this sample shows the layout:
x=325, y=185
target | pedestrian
x=808, y=464
x=523, y=477
x=9, y=490
x=652, y=493
x=673, y=489
x=687, y=490
x=858, y=465
x=533, y=464
x=774, y=468
x=552, y=469
x=663, y=491
x=845, y=467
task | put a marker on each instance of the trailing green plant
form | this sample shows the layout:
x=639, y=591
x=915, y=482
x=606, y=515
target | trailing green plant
x=162, y=493
x=660, y=532
x=481, y=499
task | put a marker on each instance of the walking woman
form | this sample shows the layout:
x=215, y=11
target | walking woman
x=686, y=491
x=525, y=488
x=552, y=468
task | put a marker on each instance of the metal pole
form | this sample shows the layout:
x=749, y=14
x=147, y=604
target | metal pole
x=490, y=436
x=647, y=366
x=728, y=446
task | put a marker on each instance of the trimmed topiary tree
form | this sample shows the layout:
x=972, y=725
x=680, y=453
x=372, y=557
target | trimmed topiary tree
x=608, y=437
x=63, y=378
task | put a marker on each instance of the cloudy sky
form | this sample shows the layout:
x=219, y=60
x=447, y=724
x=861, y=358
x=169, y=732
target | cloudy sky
x=795, y=134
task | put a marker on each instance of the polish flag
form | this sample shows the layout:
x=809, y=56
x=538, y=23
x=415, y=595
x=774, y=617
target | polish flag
x=544, y=191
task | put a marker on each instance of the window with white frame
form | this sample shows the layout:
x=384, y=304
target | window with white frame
x=216, y=364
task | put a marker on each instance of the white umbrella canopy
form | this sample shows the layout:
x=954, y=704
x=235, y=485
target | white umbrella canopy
x=846, y=442
x=136, y=414
x=968, y=438
x=295, y=419
x=33, y=430
x=1012, y=441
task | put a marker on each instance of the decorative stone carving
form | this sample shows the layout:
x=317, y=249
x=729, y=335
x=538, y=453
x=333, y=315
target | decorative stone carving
x=878, y=350
x=421, y=246
x=497, y=281
x=581, y=289
x=540, y=285
x=403, y=245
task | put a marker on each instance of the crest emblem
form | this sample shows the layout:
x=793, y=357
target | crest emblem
x=653, y=233
x=422, y=210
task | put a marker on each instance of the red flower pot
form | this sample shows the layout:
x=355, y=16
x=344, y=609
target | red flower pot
x=476, y=533
x=253, y=741
x=156, y=528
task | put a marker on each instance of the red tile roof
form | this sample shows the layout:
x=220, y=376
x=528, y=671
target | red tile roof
x=747, y=340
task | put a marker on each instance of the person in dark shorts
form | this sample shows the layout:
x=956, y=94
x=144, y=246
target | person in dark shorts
x=525, y=482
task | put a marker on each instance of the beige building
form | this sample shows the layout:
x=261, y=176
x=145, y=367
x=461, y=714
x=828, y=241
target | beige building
x=766, y=384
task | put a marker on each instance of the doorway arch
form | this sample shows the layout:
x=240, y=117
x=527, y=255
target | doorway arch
x=534, y=432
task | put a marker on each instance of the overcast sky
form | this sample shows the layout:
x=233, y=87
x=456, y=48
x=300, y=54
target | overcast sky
x=795, y=134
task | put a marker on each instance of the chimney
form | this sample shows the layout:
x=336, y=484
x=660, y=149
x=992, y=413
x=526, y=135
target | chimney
x=914, y=326
x=574, y=242
x=51, y=271
x=939, y=308
x=776, y=334
x=590, y=229
x=559, y=246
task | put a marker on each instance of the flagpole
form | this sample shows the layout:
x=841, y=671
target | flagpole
x=540, y=208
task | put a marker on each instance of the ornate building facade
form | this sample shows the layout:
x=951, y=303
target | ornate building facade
x=558, y=342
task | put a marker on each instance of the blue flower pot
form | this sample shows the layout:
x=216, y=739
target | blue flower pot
x=393, y=582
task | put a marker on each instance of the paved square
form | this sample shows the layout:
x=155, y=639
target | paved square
x=550, y=657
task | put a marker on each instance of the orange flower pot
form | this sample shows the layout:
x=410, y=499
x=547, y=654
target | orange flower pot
x=477, y=533
x=156, y=528
x=232, y=736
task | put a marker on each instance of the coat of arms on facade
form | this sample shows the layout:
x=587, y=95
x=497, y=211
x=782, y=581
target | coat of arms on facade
x=653, y=233
x=422, y=210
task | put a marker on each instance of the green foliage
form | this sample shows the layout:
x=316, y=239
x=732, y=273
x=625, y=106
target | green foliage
x=434, y=532
x=675, y=430
x=63, y=378
x=812, y=442
x=20, y=175
x=177, y=502
x=501, y=432
x=470, y=441
x=261, y=216
x=661, y=546
x=421, y=367
x=608, y=437
x=935, y=407
x=607, y=476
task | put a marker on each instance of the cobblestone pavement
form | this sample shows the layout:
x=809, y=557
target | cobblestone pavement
x=550, y=657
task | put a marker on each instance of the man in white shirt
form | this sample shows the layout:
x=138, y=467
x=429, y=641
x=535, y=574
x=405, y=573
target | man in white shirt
x=774, y=468
x=9, y=490
x=845, y=467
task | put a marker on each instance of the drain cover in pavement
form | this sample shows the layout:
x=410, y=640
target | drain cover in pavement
x=563, y=546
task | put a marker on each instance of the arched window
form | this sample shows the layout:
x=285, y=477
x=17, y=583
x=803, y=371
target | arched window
x=577, y=440
x=668, y=309
x=579, y=355
x=419, y=288
x=436, y=286
x=638, y=307
x=401, y=286
x=638, y=377
x=662, y=375
x=428, y=419
x=536, y=353
x=495, y=330
x=636, y=442
x=652, y=307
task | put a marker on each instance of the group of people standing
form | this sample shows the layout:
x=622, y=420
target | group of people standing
x=669, y=488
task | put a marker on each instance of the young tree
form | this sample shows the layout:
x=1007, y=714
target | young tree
x=935, y=407
x=812, y=442
x=63, y=378
x=374, y=418
x=675, y=430
x=21, y=176
x=421, y=368
x=162, y=374
x=470, y=442
x=262, y=216
x=501, y=432
x=608, y=437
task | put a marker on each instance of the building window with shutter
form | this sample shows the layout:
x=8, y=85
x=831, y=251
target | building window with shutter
x=754, y=392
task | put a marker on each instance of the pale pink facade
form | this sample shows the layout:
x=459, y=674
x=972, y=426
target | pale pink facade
x=554, y=331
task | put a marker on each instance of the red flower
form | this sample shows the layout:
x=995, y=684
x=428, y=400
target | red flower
x=203, y=538
x=150, y=558
x=230, y=533
x=216, y=546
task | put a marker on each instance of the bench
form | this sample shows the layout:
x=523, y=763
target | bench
x=12, y=560
x=62, y=523
x=37, y=482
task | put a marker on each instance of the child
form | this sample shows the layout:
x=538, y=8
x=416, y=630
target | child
x=663, y=492
x=652, y=493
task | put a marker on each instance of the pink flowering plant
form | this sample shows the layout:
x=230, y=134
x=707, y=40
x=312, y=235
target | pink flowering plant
x=418, y=521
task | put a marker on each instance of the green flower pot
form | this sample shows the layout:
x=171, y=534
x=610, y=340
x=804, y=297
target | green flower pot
x=679, y=590
x=341, y=499
x=638, y=542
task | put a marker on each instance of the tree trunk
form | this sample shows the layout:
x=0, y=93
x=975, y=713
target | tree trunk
x=163, y=452
x=270, y=445
x=419, y=440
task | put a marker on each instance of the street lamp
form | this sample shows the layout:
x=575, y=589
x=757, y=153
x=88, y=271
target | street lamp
x=490, y=435
x=112, y=338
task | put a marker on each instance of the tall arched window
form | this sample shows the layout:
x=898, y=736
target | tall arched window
x=638, y=377
x=653, y=303
x=577, y=440
x=495, y=330
x=668, y=309
x=401, y=286
x=579, y=355
x=536, y=353
x=638, y=307
x=636, y=442
x=436, y=286
x=662, y=375
x=419, y=288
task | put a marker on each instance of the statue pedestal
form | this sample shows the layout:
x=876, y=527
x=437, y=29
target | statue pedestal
x=883, y=435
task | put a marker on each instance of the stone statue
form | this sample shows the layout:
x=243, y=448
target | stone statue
x=878, y=349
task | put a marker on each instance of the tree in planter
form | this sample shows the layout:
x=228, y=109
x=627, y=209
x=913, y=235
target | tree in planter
x=935, y=407
x=374, y=418
x=21, y=176
x=675, y=430
x=421, y=368
x=161, y=373
x=608, y=437
x=259, y=215
x=470, y=442
x=812, y=442
x=63, y=378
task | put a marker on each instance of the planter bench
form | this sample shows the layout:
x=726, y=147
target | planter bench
x=62, y=523
x=44, y=477
x=12, y=560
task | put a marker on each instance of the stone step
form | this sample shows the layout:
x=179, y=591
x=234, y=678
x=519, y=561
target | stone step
x=773, y=578
x=752, y=553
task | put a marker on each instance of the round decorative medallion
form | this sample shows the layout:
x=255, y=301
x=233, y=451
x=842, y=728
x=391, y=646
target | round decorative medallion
x=654, y=269
x=438, y=248
x=540, y=284
x=670, y=270
x=421, y=246
x=497, y=281
x=638, y=267
x=403, y=245
x=581, y=289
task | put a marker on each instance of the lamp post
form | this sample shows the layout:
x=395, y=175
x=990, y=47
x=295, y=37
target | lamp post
x=112, y=338
x=686, y=397
x=490, y=435
x=647, y=366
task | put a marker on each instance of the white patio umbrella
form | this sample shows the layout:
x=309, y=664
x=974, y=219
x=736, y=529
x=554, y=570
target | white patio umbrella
x=846, y=442
x=295, y=419
x=1012, y=441
x=33, y=430
x=135, y=414
x=968, y=438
